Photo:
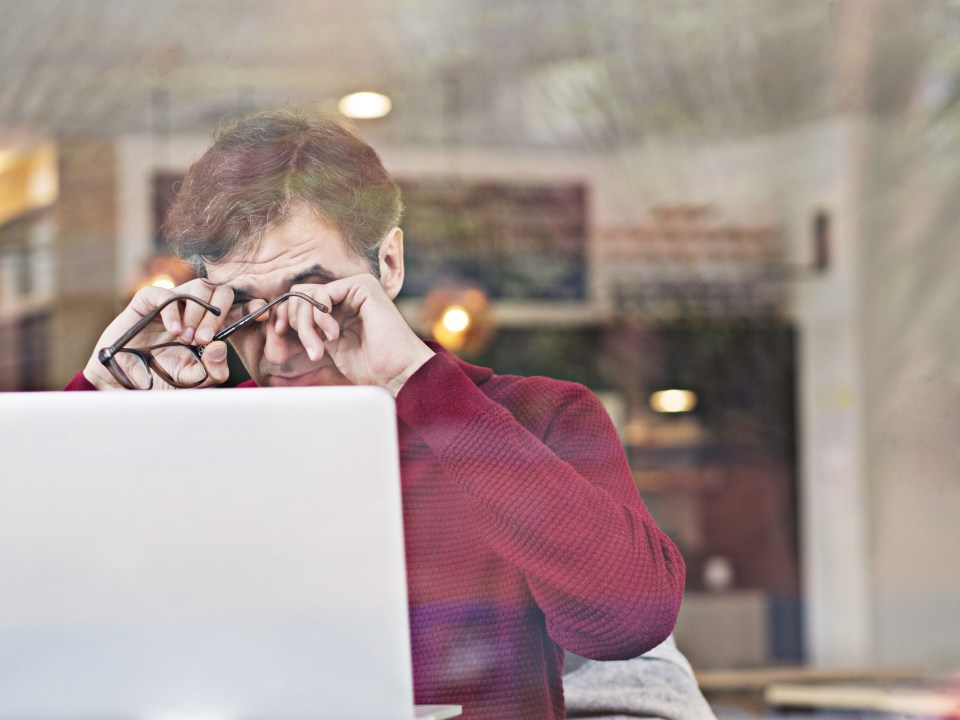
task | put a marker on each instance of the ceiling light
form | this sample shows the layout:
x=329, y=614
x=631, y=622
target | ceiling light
x=365, y=105
x=673, y=401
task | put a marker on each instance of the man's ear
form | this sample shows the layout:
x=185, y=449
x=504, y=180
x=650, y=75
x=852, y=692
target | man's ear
x=391, y=263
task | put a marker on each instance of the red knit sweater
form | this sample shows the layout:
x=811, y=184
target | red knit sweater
x=525, y=536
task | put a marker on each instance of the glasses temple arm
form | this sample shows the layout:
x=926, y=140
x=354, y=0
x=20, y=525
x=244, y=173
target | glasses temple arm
x=106, y=353
x=246, y=319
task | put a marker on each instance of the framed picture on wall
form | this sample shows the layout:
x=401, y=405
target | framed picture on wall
x=517, y=241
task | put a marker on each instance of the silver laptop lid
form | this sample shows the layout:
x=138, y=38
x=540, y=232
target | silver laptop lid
x=204, y=555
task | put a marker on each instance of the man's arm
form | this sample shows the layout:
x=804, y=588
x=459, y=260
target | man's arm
x=562, y=507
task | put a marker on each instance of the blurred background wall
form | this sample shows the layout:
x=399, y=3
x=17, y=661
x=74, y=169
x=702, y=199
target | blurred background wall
x=752, y=199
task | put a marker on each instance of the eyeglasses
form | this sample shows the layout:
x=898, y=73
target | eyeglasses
x=177, y=364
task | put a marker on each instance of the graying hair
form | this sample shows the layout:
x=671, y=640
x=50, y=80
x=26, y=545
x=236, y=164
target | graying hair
x=262, y=166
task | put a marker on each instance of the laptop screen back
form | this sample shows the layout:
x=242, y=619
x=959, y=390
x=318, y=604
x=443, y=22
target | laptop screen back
x=213, y=555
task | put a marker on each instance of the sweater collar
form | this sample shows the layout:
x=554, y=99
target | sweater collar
x=477, y=374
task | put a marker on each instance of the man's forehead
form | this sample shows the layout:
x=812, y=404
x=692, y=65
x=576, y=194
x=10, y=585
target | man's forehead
x=284, y=250
x=304, y=247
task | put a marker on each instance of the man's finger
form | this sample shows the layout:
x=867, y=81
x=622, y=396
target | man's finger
x=193, y=312
x=214, y=359
x=147, y=299
x=222, y=298
x=301, y=320
x=303, y=313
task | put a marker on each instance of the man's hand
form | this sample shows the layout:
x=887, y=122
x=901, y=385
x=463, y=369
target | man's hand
x=364, y=334
x=188, y=322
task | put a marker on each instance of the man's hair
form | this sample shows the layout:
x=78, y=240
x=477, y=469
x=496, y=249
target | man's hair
x=261, y=167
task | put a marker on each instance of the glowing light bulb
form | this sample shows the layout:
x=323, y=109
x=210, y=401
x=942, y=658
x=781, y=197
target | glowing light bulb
x=456, y=319
x=163, y=281
x=365, y=105
x=673, y=401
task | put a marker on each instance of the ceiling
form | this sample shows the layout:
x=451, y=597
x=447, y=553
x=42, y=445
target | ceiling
x=549, y=72
x=566, y=73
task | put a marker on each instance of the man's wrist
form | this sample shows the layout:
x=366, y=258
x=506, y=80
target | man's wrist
x=98, y=377
x=395, y=384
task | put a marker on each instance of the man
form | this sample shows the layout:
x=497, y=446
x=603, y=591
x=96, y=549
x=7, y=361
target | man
x=525, y=533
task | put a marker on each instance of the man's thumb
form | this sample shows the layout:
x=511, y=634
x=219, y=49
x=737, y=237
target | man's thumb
x=215, y=360
x=216, y=352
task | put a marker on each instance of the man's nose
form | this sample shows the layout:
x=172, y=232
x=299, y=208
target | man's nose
x=278, y=348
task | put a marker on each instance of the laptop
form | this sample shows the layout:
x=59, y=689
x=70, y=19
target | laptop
x=203, y=555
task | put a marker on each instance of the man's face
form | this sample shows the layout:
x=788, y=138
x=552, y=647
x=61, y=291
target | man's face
x=301, y=250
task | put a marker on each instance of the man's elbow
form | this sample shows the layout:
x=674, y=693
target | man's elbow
x=635, y=629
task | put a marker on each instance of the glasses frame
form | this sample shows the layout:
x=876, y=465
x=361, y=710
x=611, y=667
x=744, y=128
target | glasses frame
x=107, y=355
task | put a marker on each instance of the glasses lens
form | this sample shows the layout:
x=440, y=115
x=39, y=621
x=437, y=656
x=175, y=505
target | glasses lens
x=177, y=365
x=134, y=368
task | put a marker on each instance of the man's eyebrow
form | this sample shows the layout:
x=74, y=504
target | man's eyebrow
x=315, y=272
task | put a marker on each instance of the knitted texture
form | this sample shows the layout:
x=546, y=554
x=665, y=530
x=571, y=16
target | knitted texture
x=525, y=536
x=659, y=685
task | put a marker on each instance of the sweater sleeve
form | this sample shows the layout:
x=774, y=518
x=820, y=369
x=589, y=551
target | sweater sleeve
x=79, y=382
x=562, y=507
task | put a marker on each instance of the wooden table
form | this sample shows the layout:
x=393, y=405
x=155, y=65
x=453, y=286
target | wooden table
x=745, y=688
x=915, y=699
